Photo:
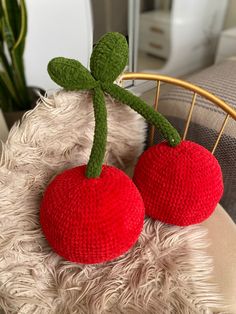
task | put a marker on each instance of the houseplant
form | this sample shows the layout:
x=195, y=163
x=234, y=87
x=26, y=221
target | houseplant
x=15, y=96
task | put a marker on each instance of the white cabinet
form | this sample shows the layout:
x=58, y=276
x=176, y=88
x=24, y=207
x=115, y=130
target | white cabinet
x=227, y=45
x=186, y=35
x=154, y=34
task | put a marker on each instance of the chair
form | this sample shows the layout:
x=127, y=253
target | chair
x=230, y=112
x=221, y=229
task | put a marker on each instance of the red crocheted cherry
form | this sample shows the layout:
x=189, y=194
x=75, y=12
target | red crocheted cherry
x=92, y=220
x=180, y=185
x=92, y=214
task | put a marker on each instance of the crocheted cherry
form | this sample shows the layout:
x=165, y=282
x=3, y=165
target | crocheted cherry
x=92, y=220
x=180, y=185
x=92, y=213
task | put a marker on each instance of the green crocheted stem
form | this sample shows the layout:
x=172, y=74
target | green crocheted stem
x=94, y=167
x=137, y=104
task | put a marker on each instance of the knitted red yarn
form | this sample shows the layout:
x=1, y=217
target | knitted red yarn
x=92, y=220
x=180, y=185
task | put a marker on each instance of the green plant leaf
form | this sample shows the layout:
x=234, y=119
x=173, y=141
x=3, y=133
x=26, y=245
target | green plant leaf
x=109, y=57
x=5, y=66
x=6, y=79
x=17, y=56
x=12, y=15
x=20, y=42
x=13, y=27
x=4, y=61
x=11, y=21
x=19, y=79
x=1, y=16
x=7, y=34
x=70, y=74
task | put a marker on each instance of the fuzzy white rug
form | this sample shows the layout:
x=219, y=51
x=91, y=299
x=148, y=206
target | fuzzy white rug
x=167, y=271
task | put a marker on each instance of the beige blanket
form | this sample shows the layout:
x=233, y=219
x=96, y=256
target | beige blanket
x=167, y=271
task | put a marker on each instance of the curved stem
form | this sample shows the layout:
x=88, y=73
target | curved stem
x=94, y=167
x=137, y=104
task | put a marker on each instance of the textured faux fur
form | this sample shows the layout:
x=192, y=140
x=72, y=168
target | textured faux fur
x=166, y=271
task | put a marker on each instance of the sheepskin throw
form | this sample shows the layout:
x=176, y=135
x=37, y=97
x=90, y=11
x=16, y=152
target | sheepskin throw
x=166, y=271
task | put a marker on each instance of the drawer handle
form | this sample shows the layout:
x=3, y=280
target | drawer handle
x=156, y=30
x=157, y=46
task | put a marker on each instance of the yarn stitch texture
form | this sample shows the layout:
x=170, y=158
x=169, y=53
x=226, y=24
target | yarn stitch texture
x=71, y=74
x=109, y=57
x=100, y=135
x=137, y=104
x=180, y=185
x=96, y=220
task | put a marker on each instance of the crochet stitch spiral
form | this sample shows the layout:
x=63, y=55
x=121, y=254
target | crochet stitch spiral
x=180, y=185
x=91, y=220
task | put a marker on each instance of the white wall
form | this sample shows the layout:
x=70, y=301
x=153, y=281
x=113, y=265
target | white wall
x=56, y=28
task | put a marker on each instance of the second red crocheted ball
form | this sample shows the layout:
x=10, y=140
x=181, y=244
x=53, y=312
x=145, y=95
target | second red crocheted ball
x=180, y=185
x=91, y=220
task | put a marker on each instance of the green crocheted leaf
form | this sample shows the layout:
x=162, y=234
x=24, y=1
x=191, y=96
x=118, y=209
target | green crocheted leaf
x=96, y=158
x=109, y=57
x=70, y=74
x=137, y=104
